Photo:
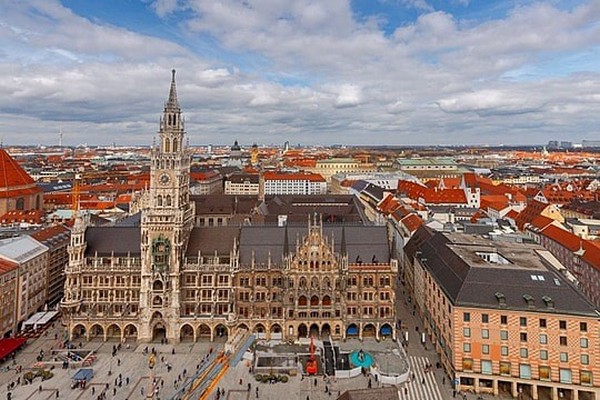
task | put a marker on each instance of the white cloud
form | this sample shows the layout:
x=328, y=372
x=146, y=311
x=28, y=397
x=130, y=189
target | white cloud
x=300, y=71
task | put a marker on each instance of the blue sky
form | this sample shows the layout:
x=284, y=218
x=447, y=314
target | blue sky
x=355, y=72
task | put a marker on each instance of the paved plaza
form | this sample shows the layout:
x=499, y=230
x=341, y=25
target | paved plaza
x=126, y=375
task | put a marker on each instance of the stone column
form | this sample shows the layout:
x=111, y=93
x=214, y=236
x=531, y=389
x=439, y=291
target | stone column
x=476, y=385
x=495, y=387
x=554, y=393
x=534, y=392
x=515, y=391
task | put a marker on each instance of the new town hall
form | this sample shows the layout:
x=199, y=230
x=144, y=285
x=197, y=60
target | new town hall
x=164, y=277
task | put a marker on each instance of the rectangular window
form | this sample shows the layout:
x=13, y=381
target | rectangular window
x=583, y=326
x=467, y=364
x=523, y=321
x=524, y=371
x=467, y=347
x=543, y=338
x=504, y=368
x=485, y=318
x=486, y=367
x=583, y=343
x=523, y=336
x=545, y=373
x=562, y=324
x=523, y=352
x=542, y=322
x=585, y=378
x=543, y=354
x=467, y=332
x=585, y=359
x=563, y=340
x=504, y=335
x=504, y=350
x=564, y=356
x=485, y=349
x=466, y=317
x=503, y=319
x=485, y=333
x=565, y=375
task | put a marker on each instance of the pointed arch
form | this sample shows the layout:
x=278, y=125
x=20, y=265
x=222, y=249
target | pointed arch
x=186, y=334
x=326, y=300
x=175, y=147
x=204, y=331
x=314, y=301
x=113, y=332
x=167, y=145
x=168, y=200
x=302, y=301
x=159, y=200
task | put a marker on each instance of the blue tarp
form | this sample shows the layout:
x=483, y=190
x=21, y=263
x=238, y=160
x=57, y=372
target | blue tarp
x=83, y=374
x=352, y=330
x=386, y=330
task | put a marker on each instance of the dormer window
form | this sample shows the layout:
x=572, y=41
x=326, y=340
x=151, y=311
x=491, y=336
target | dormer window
x=501, y=299
x=529, y=300
x=548, y=301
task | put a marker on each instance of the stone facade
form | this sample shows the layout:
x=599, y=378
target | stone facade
x=171, y=278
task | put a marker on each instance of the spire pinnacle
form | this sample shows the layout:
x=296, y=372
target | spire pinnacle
x=173, y=102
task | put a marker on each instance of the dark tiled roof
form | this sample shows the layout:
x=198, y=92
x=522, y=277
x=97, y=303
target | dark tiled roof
x=224, y=204
x=366, y=241
x=469, y=280
x=210, y=239
x=116, y=240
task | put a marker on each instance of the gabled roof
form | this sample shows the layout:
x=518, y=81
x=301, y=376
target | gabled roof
x=533, y=209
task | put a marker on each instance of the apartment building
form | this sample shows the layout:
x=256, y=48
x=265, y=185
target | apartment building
x=503, y=320
x=57, y=239
x=292, y=183
x=32, y=259
x=242, y=184
x=8, y=297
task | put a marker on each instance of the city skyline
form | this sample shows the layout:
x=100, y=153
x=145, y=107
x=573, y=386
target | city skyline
x=383, y=73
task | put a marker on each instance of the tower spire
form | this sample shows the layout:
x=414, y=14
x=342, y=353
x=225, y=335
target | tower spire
x=173, y=102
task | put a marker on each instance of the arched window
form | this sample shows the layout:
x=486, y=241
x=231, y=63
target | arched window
x=175, y=145
x=167, y=145
x=174, y=119
x=168, y=200
x=314, y=301
x=20, y=204
x=159, y=200
x=157, y=285
x=37, y=203
x=169, y=120
x=302, y=301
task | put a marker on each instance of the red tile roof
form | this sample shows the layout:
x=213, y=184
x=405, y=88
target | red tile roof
x=7, y=266
x=416, y=191
x=14, y=181
x=49, y=232
x=16, y=216
x=412, y=222
x=533, y=209
x=11, y=173
x=280, y=176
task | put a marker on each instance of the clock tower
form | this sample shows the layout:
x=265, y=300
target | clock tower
x=167, y=221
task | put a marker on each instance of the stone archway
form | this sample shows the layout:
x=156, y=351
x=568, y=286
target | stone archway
x=386, y=330
x=326, y=300
x=325, y=331
x=259, y=331
x=276, y=332
x=204, y=332
x=113, y=333
x=131, y=332
x=314, y=330
x=369, y=331
x=96, y=332
x=186, y=333
x=159, y=332
x=243, y=326
x=78, y=331
x=302, y=331
x=352, y=330
x=221, y=332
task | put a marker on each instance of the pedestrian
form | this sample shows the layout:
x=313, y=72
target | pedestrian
x=127, y=381
x=142, y=391
x=93, y=390
x=423, y=380
x=315, y=381
x=443, y=380
x=405, y=391
x=249, y=386
x=57, y=393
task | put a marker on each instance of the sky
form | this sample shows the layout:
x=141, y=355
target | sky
x=312, y=72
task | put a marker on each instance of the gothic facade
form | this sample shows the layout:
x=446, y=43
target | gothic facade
x=166, y=277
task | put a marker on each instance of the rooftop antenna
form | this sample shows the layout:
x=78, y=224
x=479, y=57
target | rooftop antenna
x=60, y=136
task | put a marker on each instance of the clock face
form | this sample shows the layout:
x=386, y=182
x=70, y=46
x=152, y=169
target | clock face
x=165, y=179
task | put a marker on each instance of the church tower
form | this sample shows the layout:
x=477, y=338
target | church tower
x=167, y=221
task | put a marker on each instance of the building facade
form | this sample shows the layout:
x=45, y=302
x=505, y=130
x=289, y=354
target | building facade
x=503, y=320
x=171, y=278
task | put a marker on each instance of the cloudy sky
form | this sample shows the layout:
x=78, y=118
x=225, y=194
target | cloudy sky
x=312, y=72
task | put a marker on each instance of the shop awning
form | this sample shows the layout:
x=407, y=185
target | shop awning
x=9, y=345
